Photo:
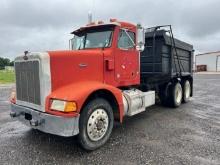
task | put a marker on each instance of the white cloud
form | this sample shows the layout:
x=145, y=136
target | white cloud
x=39, y=25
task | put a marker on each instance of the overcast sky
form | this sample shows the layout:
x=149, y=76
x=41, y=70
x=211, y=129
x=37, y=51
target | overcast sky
x=39, y=25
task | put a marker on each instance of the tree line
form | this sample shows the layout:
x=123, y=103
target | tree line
x=5, y=62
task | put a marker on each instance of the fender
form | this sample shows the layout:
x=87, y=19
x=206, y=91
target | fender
x=79, y=92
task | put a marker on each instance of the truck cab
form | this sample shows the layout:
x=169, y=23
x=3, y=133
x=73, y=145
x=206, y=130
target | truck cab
x=82, y=91
x=116, y=42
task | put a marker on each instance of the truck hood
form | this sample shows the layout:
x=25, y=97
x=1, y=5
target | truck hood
x=68, y=67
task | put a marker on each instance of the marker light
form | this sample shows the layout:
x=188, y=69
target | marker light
x=13, y=97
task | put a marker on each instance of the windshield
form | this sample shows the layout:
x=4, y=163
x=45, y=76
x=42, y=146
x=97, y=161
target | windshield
x=92, y=38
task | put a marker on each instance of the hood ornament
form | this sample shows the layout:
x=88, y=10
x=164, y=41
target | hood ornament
x=25, y=55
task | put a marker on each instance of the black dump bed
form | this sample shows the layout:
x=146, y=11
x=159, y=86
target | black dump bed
x=164, y=58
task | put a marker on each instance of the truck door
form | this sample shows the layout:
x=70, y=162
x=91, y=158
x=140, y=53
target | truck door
x=126, y=59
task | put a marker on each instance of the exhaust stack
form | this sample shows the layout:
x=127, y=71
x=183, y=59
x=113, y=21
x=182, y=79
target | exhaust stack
x=89, y=17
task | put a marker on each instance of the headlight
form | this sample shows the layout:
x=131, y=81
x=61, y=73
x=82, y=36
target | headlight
x=63, y=106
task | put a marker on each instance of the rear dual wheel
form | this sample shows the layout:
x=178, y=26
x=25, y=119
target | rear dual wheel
x=186, y=91
x=177, y=94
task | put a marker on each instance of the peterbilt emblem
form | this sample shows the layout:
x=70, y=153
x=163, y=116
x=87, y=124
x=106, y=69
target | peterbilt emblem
x=82, y=65
x=25, y=55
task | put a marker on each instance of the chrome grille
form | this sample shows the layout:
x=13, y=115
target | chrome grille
x=28, y=81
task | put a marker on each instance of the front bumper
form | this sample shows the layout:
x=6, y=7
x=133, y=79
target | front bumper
x=57, y=125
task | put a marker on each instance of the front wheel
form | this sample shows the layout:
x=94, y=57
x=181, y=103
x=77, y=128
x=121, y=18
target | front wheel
x=95, y=124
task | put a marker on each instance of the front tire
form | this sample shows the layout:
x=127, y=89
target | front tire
x=95, y=124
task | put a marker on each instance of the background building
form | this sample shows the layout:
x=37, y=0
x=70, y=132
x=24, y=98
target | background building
x=9, y=68
x=210, y=61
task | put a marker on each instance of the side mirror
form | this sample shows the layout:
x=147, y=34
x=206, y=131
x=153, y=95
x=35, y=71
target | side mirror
x=140, y=38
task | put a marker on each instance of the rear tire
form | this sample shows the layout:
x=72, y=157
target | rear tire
x=175, y=95
x=164, y=99
x=95, y=124
x=186, y=91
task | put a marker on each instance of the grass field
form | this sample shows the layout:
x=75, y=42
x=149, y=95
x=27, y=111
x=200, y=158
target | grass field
x=7, y=77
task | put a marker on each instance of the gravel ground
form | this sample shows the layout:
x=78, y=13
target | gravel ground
x=189, y=134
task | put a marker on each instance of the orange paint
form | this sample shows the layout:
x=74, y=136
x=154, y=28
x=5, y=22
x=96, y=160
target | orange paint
x=77, y=74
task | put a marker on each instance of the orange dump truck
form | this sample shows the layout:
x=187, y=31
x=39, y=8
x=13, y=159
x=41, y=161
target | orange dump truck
x=113, y=70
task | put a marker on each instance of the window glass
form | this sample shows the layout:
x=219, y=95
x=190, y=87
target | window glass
x=126, y=39
x=98, y=37
x=77, y=42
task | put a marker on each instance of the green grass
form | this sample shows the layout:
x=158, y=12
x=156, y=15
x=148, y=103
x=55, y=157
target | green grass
x=7, y=77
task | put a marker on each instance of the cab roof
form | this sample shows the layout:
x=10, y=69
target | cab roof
x=125, y=25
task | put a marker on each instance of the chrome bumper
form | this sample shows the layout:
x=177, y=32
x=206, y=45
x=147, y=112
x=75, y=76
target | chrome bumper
x=44, y=122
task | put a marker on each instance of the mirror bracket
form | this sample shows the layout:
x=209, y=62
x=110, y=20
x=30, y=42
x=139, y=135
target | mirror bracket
x=140, y=38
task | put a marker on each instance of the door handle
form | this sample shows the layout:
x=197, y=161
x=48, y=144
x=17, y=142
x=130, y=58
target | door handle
x=110, y=64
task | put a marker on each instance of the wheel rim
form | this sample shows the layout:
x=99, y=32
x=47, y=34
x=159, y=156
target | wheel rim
x=178, y=94
x=187, y=90
x=97, y=125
